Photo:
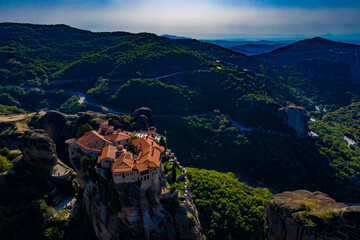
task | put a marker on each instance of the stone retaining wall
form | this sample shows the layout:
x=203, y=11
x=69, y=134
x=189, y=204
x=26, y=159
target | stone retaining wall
x=187, y=194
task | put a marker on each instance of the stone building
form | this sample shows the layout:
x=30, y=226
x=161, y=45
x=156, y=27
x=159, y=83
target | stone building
x=128, y=160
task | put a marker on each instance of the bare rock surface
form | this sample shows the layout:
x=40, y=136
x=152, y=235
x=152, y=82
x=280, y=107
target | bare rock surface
x=303, y=215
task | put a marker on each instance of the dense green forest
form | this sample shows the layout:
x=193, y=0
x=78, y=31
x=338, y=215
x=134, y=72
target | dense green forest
x=333, y=128
x=56, y=57
x=277, y=161
x=228, y=209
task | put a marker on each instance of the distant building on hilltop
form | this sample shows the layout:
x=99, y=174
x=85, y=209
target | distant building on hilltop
x=128, y=160
x=295, y=117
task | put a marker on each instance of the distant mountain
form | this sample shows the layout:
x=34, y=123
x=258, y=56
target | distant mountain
x=245, y=47
x=254, y=48
x=173, y=36
x=250, y=47
x=321, y=58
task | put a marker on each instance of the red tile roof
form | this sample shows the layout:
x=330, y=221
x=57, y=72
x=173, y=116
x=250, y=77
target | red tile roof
x=118, y=136
x=93, y=141
x=148, y=157
x=149, y=150
x=107, y=152
x=124, y=163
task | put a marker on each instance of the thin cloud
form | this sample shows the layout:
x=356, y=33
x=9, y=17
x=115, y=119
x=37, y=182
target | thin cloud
x=198, y=18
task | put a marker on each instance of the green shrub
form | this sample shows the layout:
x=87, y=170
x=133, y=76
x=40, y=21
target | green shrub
x=53, y=233
x=4, y=164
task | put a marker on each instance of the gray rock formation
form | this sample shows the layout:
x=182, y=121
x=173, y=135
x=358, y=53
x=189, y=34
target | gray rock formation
x=119, y=122
x=140, y=216
x=126, y=211
x=39, y=150
x=37, y=147
x=143, y=118
x=295, y=117
x=142, y=123
x=59, y=128
x=302, y=215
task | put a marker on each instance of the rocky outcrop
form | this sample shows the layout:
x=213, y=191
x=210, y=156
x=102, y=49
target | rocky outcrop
x=119, y=122
x=38, y=149
x=126, y=211
x=187, y=223
x=295, y=117
x=138, y=215
x=302, y=215
x=143, y=118
x=58, y=126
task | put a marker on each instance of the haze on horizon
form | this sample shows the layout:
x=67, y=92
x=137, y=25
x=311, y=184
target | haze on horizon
x=205, y=19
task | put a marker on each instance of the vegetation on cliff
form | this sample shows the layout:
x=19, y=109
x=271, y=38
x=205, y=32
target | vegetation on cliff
x=228, y=209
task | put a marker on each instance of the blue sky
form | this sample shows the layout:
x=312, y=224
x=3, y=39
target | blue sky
x=222, y=19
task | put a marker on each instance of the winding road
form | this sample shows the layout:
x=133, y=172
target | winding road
x=83, y=99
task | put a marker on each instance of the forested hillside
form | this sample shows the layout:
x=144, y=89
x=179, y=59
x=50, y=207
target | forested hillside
x=218, y=108
x=274, y=160
x=203, y=76
x=228, y=208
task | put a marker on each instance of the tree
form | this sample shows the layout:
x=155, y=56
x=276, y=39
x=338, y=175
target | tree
x=88, y=163
x=83, y=128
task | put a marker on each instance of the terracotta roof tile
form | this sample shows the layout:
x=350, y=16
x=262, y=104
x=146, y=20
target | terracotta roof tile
x=107, y=152
x=143, y=166
x=93, y=141
x=149, y=153
x=148, y=150
x=118, y=136
x=124, y=163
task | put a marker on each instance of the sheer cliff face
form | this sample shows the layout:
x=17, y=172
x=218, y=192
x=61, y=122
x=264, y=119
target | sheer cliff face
x=139, y=217
x=302, y=215
x=139, y=214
